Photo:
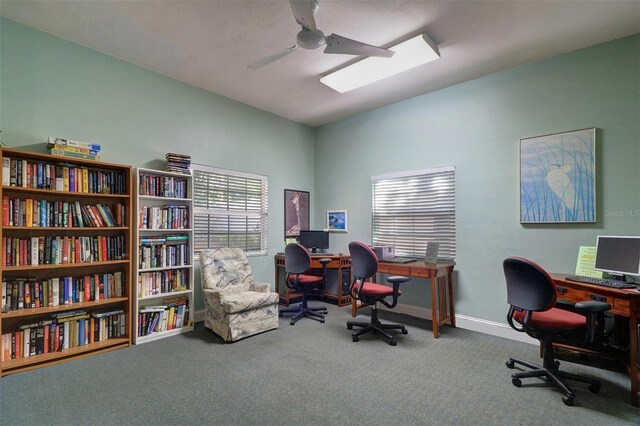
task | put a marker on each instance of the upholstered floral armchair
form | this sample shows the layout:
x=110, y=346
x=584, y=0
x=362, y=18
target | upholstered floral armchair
x=236, y=305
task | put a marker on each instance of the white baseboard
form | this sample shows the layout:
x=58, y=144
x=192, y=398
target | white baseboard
x=469, y=323
x=199, y=315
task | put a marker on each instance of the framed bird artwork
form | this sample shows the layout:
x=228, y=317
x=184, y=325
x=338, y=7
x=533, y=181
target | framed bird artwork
x=558, y=177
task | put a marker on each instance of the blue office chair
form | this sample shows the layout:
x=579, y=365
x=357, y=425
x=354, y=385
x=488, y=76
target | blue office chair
x=364, y=264
x=532, y=296
x=297, y=263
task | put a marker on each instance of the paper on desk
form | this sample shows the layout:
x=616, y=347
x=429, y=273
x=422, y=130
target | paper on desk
x=587, y=262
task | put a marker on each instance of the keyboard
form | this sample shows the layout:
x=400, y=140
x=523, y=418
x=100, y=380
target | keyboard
x=605, y=282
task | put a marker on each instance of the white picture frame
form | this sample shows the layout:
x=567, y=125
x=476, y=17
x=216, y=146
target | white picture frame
x=337, y=221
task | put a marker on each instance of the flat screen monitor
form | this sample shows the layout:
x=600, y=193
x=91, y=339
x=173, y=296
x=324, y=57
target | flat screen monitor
x=314, y=240
x=618, y=255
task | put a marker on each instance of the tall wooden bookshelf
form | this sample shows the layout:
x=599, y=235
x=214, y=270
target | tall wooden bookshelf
x=163, y=265
x=75, y=269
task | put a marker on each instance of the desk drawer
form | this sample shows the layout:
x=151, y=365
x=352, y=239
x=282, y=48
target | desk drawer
x=392, y=269
x=618, y=306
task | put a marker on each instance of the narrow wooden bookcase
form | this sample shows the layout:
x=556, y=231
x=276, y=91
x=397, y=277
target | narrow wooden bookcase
x=66, y=276
x=163, y=265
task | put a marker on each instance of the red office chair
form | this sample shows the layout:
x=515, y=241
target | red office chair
x=532, y=297
x=297, y=262
x=364, y=264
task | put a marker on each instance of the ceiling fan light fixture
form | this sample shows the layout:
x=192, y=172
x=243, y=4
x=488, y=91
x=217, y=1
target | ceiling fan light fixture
x=409, y=54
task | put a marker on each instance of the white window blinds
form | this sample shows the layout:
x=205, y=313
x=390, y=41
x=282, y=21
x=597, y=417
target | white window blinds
x=413, y=208
x=230, y=209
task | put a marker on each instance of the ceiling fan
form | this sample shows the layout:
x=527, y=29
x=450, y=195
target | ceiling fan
x=310, y=37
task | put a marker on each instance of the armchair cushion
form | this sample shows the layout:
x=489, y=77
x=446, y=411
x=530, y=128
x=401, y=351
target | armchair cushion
x=246, y=300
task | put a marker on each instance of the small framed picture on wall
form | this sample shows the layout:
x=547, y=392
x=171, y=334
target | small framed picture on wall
x=337, y=220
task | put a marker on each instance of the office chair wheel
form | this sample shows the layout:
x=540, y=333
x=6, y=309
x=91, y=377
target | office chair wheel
x=516, y=382
x=404, y=331
x=511, y=364
x=568, y=400
x=355, y=338
x=292, y=322
x=393, y=343
x=349, y=327
x=322, y=321
x=594, y=388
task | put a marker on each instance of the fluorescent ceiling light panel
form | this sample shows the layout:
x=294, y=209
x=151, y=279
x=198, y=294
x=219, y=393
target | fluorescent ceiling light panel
x=408, y=54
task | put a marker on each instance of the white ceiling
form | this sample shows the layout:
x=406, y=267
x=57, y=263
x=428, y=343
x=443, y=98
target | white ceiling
x=209, y=43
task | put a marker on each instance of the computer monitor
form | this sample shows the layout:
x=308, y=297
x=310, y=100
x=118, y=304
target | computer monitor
x=314, y=240
x=617, y=255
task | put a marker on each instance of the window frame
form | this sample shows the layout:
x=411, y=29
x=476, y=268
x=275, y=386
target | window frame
x=199, y=210
x=434, y=222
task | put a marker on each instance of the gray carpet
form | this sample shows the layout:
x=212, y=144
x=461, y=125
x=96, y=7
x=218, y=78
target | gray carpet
x=308, y=374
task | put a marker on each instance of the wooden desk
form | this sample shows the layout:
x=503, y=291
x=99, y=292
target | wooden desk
x=338, y=263
x=441, y=277
x=625, y=305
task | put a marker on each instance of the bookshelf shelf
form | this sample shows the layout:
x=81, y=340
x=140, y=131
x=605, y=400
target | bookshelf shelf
x=52, y=311
x=65, y=265
x=164, y=255
x=21, y=364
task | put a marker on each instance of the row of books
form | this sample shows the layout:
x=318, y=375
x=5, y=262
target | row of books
x=162, y=256
x=43, y=213
x=178, y=163
x=164, y=217
x=62, y=331
x=163, y=186
x=74, y=149
x=172, y=314
x=29, y=293
x=162, y=239
x=160, y=282
x=33, y=251
x=66, y=177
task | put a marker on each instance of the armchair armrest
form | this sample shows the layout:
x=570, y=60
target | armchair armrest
x=594, y=311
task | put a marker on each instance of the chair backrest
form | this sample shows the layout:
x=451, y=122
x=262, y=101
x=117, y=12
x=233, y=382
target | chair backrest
x=364, y=262
x=297, y=259
x=529, y=287
x=225, y=269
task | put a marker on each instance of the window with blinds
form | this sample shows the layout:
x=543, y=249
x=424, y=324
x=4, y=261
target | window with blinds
x=413, y=208
x=229, y=209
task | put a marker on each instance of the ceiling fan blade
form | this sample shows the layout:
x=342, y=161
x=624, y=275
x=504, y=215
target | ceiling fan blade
x=303, y=11
x=346, y=46
x=273, y=57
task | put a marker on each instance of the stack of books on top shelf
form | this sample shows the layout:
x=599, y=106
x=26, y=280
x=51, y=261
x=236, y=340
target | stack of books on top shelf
x=74, y=149
x=178, y=163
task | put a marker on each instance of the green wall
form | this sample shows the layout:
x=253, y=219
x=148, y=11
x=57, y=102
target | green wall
x=51, y=87
x=477, y=126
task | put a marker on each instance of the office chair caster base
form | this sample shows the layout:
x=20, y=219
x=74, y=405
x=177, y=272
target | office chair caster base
x=568, y=400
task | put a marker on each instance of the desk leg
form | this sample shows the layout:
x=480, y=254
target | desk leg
x=451, y=307
x=634, y=374
x=434, y=307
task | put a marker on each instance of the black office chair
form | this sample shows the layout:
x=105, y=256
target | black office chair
x=364, y=264
x=297, y=262
x=532, y=297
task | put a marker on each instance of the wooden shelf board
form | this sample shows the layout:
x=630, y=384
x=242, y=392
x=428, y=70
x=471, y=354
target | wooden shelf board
x=63, y=265
x=73, y=306
x=12, y=365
